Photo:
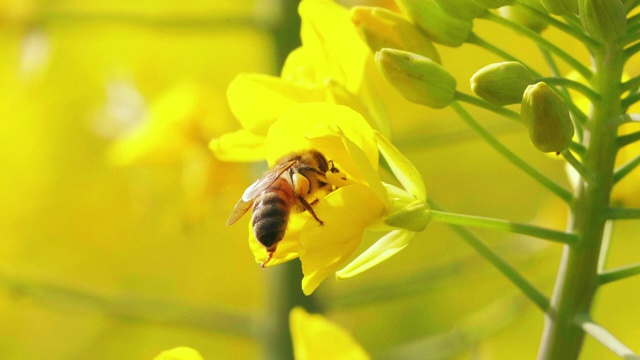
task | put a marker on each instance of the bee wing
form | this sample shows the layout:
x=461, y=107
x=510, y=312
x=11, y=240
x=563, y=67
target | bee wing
x=243, y=205
x=264, y=182
x=239, y=210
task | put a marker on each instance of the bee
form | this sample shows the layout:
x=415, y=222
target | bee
x=288, y=186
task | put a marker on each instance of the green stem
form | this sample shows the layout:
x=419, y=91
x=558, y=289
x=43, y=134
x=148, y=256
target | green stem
x=630, y=84
x=583, y=89
x=625, y=140
x=603, y=336
x=631, y=50
x=623, y=213
x=577, y=148
x=503, y=225
x=480, y=42
x=630, y=100
x=508, y=113
x=541, y=178
x=623, y=272
x=577, y=165
x=529, y=290
x=625, y=169
x=534, y=36
x=577, y=279
x=569, y=30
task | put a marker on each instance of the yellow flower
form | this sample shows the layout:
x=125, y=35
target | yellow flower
x=315, y=337
x=179, y=353
x=359, y=202
x=329, y=67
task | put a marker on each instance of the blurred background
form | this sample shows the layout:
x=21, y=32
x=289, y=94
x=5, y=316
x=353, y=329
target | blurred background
x=115, y=247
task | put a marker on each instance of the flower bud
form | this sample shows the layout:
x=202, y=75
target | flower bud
x=547, y=119
x=461, y=9
x=501, y=83
x=522, y=17
x=439, y=26
x=492, y=4
x=561, y=7
x=417, y=78
x=382, y=28
x=605, y=20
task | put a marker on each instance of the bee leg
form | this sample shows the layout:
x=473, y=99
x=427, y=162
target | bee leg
x=269, y=256
x=308, y=207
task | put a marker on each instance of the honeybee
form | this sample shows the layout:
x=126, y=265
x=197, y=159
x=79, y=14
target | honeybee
x=287, y=187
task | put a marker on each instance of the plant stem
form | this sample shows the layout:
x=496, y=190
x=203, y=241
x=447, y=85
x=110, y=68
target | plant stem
x=577, y=279
x=541, y=178
x=508, y=113
x=605, y=337
x=496, y=260
x=623, y=214
x=502, y=225
x=623, y=272
x=480, y=42
x=575, y=64
x=625, y=140
x=625, y=169
x=577, y=165
x=583, y=89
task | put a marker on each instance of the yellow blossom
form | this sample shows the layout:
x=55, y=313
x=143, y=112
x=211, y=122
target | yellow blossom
x=330, y=67
x=315, y=337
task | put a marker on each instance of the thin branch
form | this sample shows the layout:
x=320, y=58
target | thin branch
x=503, y=225
x=631, y=50
x=576, y=164
x=480, y=42
x=625, y=140
x=541, y=178
x=529, y=290
x=508, y=113
x=616, y=213
x=569, y=30
x=575, y=64
x=622, y=272
x=603, y=336
x=578, y=148
x=630, y=84
x=630, y=100
x=625, y=169
x=581, y=88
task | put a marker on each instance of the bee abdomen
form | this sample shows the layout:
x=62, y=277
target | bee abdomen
x=270, y=217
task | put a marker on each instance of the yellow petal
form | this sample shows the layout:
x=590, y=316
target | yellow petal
x=257, y=100
x=384, y=248
x=179, y=353
x=332, y=42
x=402, y=168
x=315, y=337
x=239, y=146
x=290, y=133
x=346, y=213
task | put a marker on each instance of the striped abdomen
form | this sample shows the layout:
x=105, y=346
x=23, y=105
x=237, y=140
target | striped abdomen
x=271, y=213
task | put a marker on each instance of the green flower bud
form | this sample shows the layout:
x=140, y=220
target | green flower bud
x=547, y=119
x=492, y=4
x=417, y=78
x=439, y=26
x=502, y=83
x=561, y=7
x=413, y=217
x=605, y=20
x=522, y=17
x=461, y=9
x=382, y=28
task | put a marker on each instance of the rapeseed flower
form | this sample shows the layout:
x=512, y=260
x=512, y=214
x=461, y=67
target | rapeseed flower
x=315, y=337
